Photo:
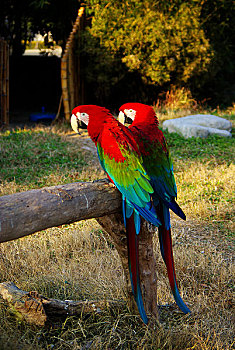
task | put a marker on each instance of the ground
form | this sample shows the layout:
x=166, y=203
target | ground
x=78, y=261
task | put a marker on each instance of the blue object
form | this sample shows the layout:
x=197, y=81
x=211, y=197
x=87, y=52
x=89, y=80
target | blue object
x=35, y=117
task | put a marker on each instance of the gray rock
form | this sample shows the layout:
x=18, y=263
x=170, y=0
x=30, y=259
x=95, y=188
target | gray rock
x=199, y=125
x=219, y=132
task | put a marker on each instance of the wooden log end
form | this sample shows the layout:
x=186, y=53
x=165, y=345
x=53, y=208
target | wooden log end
x=26, y=306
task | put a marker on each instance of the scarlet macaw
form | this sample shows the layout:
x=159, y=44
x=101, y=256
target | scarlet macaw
x=158, y=164
x=120, y=157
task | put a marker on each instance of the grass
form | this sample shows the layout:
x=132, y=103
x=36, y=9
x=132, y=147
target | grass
x=39, y=157
x=78, y=261
x=214, y=149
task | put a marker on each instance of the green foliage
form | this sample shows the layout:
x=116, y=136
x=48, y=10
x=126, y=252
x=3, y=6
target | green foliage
x=167, y=43
x=156, y=43
x=163, y=43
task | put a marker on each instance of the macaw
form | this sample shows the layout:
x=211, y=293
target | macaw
x=120, y=157
x=158, y=164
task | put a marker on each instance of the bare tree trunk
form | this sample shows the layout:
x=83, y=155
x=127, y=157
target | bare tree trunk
x=113, y=225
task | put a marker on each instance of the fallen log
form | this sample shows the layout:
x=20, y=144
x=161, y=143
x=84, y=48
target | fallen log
x=24, y=213
x=37, y=309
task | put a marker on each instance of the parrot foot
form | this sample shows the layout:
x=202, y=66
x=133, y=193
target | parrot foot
x=106, y=181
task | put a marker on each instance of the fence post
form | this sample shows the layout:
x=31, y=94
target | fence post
x=68, y=73
x=4, y=82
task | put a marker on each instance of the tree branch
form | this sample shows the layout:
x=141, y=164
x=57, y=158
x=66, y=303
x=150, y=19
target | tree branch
x=24, y=213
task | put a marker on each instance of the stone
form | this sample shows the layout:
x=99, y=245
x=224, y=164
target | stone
x=199, y=125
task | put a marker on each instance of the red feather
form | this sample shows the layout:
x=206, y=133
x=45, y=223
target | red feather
x=107, y=130
x=133, y=250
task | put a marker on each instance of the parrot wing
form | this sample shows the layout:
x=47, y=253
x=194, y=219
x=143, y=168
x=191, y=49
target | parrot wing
x=158, y=163
x=120, y=158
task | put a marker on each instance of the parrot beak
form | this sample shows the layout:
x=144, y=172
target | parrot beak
x=75, y=124
x=121, y=117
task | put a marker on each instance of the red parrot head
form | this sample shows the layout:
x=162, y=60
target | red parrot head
x=137, y=112
x=91, y=115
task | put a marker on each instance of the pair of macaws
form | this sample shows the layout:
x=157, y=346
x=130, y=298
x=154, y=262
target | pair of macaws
x=137, y=160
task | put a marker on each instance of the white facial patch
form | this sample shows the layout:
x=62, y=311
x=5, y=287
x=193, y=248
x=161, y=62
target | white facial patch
x=84, y=117
x=130, y=113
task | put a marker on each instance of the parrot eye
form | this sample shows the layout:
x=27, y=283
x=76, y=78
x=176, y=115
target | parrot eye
x=84, y=117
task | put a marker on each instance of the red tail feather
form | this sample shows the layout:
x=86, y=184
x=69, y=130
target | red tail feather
x=133, y=251
x=133, y=260
x=166, y=248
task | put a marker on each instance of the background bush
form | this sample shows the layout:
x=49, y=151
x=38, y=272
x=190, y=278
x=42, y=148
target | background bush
x=136, y=49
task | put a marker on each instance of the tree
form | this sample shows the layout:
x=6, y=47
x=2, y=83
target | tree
x=164, y=42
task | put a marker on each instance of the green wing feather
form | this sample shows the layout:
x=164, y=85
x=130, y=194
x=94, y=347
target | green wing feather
x=129, y=175
x=158, y=162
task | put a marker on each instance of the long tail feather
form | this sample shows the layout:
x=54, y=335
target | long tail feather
x=167, y=253
x=133, y=262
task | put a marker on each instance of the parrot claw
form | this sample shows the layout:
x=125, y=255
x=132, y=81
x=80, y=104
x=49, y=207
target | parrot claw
x=105, y=180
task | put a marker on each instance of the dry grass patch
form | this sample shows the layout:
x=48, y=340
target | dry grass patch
x=79, y=261
x=207, y=192
x=62, y=262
